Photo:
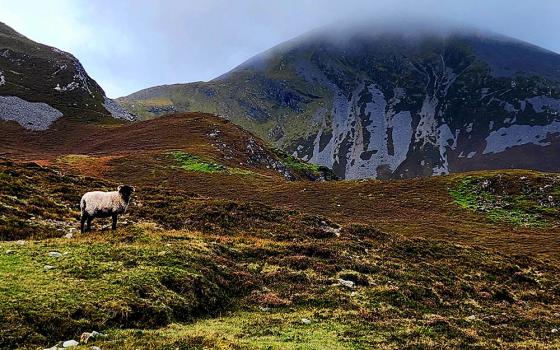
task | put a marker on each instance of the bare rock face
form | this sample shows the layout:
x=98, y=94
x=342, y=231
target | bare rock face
x=383, y=103
x=117, y=111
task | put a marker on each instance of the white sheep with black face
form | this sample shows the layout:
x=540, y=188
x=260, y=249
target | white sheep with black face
x=99, y=204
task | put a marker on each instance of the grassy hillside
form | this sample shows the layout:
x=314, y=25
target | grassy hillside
x=186, y=271
x=229, y=244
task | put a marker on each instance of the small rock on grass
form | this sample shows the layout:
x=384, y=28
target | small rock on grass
x=48, y=267
x=305, y=321
x=95, y=348
x=10, y=252
x=55, y=254
x=87, y=336
x=346, y=283
x=70, y=343
x=69, y=235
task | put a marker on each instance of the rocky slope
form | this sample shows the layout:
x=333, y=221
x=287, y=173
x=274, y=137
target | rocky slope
x=384, y=103
x=39, y=84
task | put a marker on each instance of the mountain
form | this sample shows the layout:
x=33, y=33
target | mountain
x=39, y=84
x=374, y=101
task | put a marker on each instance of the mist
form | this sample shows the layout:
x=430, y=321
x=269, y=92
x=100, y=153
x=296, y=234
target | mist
x=133, y=44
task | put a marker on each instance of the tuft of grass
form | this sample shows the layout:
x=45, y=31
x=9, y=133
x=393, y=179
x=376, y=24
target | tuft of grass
x=309, y=170
x=74, y=158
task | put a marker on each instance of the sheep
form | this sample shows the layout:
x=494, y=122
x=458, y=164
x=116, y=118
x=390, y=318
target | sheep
x=99, y=204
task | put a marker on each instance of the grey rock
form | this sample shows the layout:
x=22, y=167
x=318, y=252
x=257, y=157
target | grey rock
x=30, y=115
x=117, y=111
x=87, y=336
x=70, y=343
x=55, y=254
x=346, y=283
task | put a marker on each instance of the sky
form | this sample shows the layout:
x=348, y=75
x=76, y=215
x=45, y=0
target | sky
x=128, y=45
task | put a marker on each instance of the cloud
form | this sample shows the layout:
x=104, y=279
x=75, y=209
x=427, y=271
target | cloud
x=128, y=45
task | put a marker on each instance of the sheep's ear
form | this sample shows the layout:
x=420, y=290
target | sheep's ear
x=119, y=188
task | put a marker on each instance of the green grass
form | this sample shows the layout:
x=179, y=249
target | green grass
x=190, y=162
x=304, y=168
x=281, y=329
x=101, y=284
x=520, y=201
x=194, y=163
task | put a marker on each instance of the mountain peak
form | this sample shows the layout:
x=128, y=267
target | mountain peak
x=390, y=101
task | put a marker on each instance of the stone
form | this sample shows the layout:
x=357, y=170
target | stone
x=346, y=283
x=305, y=321
x=48, y=267
x=10, y=252
x=55, y=254
x=69, y=235
x=70, y=343
x=87, y=336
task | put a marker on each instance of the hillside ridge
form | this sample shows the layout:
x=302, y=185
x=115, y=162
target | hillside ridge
x=40, y=84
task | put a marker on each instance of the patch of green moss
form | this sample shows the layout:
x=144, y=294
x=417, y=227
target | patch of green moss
x=520, y=205
x=191, y=162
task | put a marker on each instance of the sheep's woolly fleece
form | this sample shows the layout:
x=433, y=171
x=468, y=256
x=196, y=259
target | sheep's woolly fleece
x=103, y=201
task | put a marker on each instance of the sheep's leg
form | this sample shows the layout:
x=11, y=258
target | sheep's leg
x=89, y=219
x=114, y=226
x=83, y=221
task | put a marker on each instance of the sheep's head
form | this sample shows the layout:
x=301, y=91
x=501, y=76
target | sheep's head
x=125, y=191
